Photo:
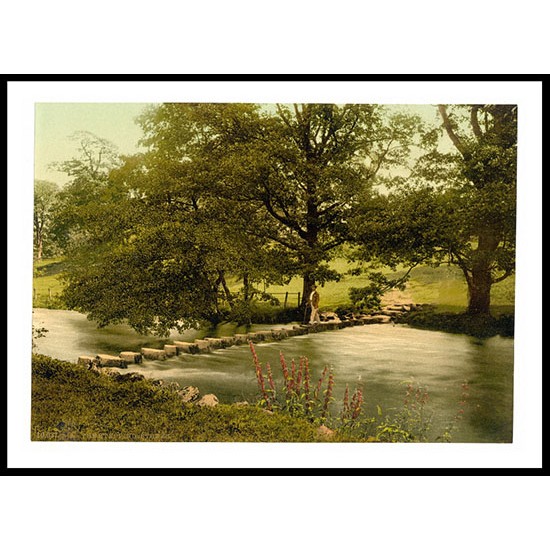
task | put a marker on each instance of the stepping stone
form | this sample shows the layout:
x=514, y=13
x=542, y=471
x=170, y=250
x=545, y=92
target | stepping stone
x=377, y=319
x=203, y=346
x=186, y=347
x=170, y=350
x=153, y=354
x=215, y=343
x=86, y=360
x=130, y=356
x=105, y=360
x=393, y=309
x=279, y=333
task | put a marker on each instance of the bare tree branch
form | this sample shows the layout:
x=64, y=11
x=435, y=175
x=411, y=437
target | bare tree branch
x=505, y=275
x=475, y=123
x=449, y=129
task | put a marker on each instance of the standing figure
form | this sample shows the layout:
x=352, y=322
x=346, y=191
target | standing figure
x=314, y=302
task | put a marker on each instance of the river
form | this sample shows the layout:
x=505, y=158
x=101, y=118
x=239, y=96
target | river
x=381, y=359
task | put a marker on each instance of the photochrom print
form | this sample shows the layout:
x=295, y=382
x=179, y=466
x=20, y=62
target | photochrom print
x=274, y=272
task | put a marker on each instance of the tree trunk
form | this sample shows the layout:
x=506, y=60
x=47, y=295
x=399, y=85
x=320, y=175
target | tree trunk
x=479, y=292
x=39, y=237
x=480, y=280
x=246, y=287
x=228, y=295
x=310, y=257
x=220, y=281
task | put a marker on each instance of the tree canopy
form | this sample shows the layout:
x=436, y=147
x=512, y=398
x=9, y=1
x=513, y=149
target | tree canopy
x=230, y=197
x=457, y=206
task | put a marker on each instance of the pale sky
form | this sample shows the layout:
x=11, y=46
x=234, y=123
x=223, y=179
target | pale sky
x=56, y=122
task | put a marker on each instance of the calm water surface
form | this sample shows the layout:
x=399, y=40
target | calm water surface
x=382, y=359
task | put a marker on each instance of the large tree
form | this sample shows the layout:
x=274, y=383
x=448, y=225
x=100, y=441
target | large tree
x=483, y=197
x=459, y=203
x=297, y=170
x=457, y=206
x=86, y=204
x=258, y=193
x=155, y=243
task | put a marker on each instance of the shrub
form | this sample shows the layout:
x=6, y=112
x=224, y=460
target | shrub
x=474, y=325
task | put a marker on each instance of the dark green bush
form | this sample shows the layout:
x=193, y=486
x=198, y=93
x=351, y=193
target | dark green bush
x=464, y=323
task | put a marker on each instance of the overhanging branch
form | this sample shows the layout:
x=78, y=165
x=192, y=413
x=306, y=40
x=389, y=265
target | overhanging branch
x=475, y=123
x=450, y=130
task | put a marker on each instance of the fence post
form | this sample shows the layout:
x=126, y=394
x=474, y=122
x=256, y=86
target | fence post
x=299, y=301
x=286, y=299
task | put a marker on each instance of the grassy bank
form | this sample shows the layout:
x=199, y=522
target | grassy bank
x=47, y=285
x=71, y=403
x=444, y=287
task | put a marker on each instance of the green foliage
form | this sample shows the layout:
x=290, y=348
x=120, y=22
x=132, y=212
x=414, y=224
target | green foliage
x=412, y=422
x=262, y=195
x=369, y=297
x=156, y=281
x=71, y=403
x=457, y=207
x=240, y=191
x=87, y=209
x=463, y=323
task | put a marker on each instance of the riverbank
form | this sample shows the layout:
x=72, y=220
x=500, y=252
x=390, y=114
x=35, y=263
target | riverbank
x=71, y=403
x=74, y=403
x=481, y=326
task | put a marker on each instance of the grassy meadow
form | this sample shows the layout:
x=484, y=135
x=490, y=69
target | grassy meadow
x=443, y=287
x=47, y=284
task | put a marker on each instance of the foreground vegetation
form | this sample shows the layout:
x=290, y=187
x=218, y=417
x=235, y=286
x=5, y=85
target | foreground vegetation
x=72, y=403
